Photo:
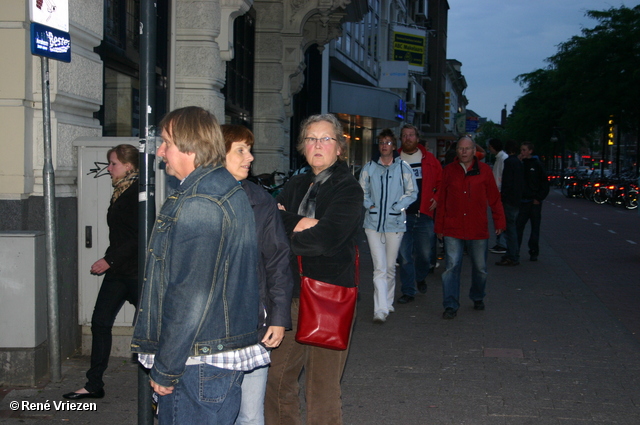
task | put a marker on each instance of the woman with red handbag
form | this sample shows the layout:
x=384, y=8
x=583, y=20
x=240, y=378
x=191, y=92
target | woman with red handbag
x=322, y=214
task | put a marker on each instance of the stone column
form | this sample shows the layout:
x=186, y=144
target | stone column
x=200, y=45
x=284, y=30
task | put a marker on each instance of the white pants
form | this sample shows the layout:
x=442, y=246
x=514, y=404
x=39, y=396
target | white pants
x=384, y=252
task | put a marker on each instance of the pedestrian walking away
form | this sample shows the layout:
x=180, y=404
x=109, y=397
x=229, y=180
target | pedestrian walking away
x=511, y=194
x=495, y=147
x=389, y=188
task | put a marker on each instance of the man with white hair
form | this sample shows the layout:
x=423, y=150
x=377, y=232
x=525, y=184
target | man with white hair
x=466, y=190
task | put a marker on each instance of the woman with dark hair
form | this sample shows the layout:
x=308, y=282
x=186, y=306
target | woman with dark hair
x=119, y=265
x=274, y=274
x=322, y=214
x=389, y=189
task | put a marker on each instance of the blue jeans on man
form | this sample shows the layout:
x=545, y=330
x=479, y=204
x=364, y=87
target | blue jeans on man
x=205, y=394
x=415, y=251
x=454, y=252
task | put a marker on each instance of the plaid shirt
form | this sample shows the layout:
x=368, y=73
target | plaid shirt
x=245, y=359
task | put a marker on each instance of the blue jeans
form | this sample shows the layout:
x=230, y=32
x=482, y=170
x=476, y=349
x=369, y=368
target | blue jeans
x=511, y=234
x=114, y=291
x=204, y=395
x=415, y=251
x=454, y=249
x=254, y=386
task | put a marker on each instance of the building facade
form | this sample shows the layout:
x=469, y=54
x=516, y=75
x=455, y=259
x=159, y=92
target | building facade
x=96, y=95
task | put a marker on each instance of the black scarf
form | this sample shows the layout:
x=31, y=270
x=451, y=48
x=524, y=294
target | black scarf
x=307, y=207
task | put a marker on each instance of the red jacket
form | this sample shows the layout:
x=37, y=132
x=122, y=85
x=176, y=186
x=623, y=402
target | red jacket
x=463, y=200
x=431, y=177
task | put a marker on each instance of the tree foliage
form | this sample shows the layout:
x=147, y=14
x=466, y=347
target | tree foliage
x=489, y=130
x=591, y=77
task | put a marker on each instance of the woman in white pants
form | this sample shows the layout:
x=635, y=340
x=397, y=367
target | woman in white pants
x=389, y=188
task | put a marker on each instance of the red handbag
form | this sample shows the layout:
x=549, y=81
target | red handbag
x=326, y=311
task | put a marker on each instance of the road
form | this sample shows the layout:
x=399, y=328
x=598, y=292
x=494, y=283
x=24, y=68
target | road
x=601, y=243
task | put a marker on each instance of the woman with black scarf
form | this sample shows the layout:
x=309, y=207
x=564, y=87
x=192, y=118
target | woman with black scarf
x=322, y=214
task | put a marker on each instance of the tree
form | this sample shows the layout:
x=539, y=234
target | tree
x=489, y=130
x=591, y=77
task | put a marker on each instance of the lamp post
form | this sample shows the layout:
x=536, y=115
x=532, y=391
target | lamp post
x=554, y=140
x=557, y=136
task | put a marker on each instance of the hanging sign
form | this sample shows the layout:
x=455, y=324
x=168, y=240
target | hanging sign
x=52, y=13
x=51, y=43
x=409, y=44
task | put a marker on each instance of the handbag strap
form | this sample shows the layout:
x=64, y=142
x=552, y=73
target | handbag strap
x=357, y=264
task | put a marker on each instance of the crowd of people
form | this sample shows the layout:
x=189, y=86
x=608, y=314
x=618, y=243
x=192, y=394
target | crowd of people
x=219, y=308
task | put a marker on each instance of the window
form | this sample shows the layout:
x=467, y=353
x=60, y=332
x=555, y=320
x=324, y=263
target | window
x=238, y=90
x=120, y=53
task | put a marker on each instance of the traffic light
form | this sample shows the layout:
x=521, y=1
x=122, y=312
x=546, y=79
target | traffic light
x=611, y=133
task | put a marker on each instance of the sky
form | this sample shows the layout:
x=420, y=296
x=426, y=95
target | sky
x=497, y=40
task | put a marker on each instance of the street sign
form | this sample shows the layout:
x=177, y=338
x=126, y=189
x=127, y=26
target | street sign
x=52, y=13
x=50, y=43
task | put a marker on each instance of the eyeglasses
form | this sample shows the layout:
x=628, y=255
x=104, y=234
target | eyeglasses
x=388, y=143
x=323, y=140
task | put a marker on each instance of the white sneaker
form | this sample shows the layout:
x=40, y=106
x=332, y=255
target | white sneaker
x=379, y=318
x=392, y=309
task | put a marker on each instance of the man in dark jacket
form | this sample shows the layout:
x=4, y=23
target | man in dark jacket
x=536, y=189
x=511, y=195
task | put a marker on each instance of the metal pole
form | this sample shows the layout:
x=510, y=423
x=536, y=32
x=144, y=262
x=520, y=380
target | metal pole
x=50, y=229
x=146, y=212
x=604, y=154
x=618, y=150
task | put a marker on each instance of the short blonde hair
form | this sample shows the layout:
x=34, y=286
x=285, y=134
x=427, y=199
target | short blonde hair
x=337, y=129
x=196, y=130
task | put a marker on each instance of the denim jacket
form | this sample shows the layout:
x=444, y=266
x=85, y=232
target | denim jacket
x=389, y=190
x=200, y=290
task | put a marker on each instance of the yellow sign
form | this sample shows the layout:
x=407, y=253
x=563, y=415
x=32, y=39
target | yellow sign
x=409, y=48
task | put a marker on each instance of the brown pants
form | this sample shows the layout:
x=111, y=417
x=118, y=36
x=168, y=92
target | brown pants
x=323, y=371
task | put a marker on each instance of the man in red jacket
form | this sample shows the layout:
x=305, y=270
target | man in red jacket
x=467, y=189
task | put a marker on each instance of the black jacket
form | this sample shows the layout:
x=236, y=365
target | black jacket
x=512, y=181
x=328, y=248
x=122, y=219
x=274, y=273
x=536, y=183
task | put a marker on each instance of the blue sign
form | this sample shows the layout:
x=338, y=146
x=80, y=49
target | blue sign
x=472, y=125
x=50, y=42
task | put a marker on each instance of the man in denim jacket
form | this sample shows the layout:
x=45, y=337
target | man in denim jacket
x=196, y=325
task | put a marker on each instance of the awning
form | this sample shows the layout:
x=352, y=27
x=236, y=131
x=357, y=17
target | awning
x=374, y=102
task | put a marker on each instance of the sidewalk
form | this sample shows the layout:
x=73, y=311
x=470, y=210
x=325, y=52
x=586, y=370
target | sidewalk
x=545, y=351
